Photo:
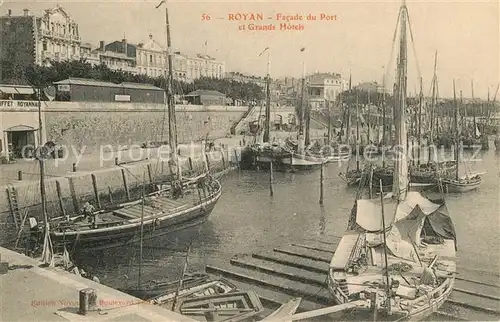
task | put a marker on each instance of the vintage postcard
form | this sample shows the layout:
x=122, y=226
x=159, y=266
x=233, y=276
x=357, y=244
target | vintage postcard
x=249, y=161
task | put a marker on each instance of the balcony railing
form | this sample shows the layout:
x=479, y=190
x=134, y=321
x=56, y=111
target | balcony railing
x=53, y=34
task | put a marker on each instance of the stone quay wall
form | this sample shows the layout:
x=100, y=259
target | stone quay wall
x=92, y=125
x=111, y=185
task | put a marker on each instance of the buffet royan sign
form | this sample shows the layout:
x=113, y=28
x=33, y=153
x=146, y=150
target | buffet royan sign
x=10, y=103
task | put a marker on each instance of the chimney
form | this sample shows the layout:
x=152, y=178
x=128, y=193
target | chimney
x=9, y=12
x=124, y=46
x=26, y=12
x=101, y=45
x=150, y=36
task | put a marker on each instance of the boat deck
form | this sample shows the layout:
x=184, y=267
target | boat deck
x=153, y=207
x=300, y=270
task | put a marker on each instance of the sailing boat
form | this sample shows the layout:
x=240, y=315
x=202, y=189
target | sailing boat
x=400, y=266
x=300, y=157
x=186, y=202
x=468, y=182
x=423, y=175
x=264, y=153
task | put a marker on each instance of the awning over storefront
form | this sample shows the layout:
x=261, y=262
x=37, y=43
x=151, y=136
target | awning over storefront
x=20, y=128
x=16, y=90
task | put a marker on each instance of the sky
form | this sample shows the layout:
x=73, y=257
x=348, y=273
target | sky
x=359, y=42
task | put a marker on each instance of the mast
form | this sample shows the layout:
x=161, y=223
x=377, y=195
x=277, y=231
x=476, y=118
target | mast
x=357, y=130
x=464, y=115
x=172, y=127
x=400, y=179
x=142, y=232
x=433, y=111
x=368, y=119
x=329, y=122
x=419, y=120
x=383, y=124
x=388, y=283
x=473, y=108
x=457, y=138
x=267, y=125
x=300, y=141
x=348, y=106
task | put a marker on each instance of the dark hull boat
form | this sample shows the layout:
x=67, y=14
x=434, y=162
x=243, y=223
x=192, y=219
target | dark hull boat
x=422, y=174
x=160, y=214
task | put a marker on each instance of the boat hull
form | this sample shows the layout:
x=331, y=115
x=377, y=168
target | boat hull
x=458, y=187
x=130, y=233
x=299, y=162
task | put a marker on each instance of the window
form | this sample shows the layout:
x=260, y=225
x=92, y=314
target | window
x=44, y=46
x=151, y=59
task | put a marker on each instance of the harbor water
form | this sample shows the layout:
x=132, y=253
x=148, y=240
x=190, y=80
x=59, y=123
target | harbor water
x=247, y=219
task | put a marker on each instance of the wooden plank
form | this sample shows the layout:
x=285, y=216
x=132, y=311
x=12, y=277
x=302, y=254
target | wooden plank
x=293, y=288
x=294, y=261
x=475, y=303
x=467, y=313
x=305, y=253
x=316, y=246
x=487, y=291
x=292, y=273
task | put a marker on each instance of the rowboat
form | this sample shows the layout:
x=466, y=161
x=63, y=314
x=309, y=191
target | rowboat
x=233, y=306
x=162, y=212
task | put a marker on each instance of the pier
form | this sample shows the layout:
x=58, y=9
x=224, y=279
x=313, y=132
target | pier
x=33, y=293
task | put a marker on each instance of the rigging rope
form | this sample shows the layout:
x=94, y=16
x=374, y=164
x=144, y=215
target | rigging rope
x=413, y=43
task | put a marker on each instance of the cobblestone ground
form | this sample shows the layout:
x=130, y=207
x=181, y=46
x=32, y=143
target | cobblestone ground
x=106, y=159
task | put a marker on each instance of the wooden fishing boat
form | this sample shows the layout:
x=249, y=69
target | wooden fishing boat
x=463, y=184
x=156, y=289
x=160, y=213
x=421, y=255
x=234, y=306
x=399, y=267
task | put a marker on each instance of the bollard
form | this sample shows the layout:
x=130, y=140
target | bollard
x=74, y=167
x=271, y=191
x=59, y=197
x=19, y=175
x=96, y=191
x=125, y=185
x=321, y=185
x=88, y=300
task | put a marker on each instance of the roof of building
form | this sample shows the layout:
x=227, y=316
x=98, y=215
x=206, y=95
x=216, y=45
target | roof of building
x=92, y=82
x=113, y=54
x=141, y=86
x=86, y=45
x=200, y=92
x=85, y=82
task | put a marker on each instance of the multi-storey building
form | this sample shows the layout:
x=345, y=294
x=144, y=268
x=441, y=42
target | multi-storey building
x=239, y=77
x=204, y=66
x=27, y=39
x=150, y=58
x=57, y=37
x=323, y=87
